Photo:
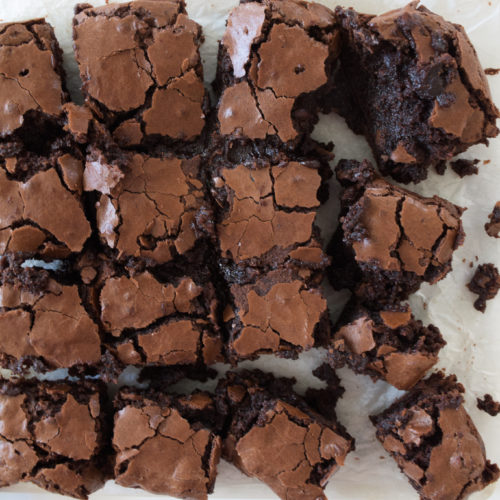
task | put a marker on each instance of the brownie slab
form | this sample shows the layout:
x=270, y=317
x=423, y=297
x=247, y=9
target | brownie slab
x=43, y=322
x=166, y=444
x=278, y=313
x=389, y=344
x=275, y=65
x=391, y=239
x=150, y=51
x=54, y=434
x=32, y=89
x=485, y=283
x=434, y=441
x=412, y=83
x=265, y=215
x=273, y=434
x=151, y=208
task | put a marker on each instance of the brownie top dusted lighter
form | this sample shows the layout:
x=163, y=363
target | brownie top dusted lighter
x=150, y=51
x=416, y=87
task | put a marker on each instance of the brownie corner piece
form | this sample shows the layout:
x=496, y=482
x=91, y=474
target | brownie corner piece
x=275, y=64
x=265, y=418
x=54, y=434
x=150, y=50
x=434, y=441
x=32, y=87
x=392, y=239
x=166, y=444
x=388, y=344
x=436, y=99
x=36, y=305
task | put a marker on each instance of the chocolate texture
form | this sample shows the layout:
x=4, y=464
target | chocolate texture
x=493, y=226
x=485, y=283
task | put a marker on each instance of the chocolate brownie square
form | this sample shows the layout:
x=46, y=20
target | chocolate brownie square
x=154, y=319
x=389, y=344
x=43, y=321
x=275, y=435
x=434, y=441
x=166, y=444
x=150, y=51
x=278, y=312
x=412, y=83
x=32, y=88
x=55, y=435
x=153, y=209
x=275, y=66
x=266, y=211
x=390, y=239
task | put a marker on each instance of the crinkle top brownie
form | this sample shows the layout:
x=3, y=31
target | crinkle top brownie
x=412, y=83
x=32, y=91
x=43, y=322
x=273, y=434
x=153, y=209
x=276, y=61
x=394, y=239
x=149, y=50
x=389, y=344
x=434, y=441
x=166, y=444
x=54, y=434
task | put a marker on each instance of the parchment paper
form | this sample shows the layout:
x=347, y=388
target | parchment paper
x=473, y=349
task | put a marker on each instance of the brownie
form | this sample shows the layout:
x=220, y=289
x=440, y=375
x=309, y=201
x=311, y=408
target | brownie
x=151, y=208
x=485, y=283
x=43, y=321
x=411, y=82
x=273, y=434
x=150, y=51
x=275, y=66
x=389, y=344
x=493, y=227
x=278, y=312
x=166, y=444
x=434, y=441
x=266, y=210
x=32, y=89
x=55, y=435
x=158, y=319
x=390, y=239
x=463, y=167
x=489, y=405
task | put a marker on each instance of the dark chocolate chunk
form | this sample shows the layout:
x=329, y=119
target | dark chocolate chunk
x=489, y=405
x=485, y=283
x=166, y=444
x=412, y=83
x=393, y=239
x=273, y=434
x=389, y=344
x=493, y=227
x=54, y=434
x=434, y=441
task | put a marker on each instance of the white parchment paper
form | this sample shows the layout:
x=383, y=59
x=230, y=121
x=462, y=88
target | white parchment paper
x=473, y=349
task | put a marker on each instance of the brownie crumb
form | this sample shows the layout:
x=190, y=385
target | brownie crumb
x=489, y=405
x=492, y=71
x=464, y=167
x=485, y=283
x=493, y=227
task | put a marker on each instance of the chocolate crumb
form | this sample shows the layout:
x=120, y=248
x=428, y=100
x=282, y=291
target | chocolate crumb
x=489, y=405
x=492, y=71
x=463, y=167
x=485, y=283
x=493, y=227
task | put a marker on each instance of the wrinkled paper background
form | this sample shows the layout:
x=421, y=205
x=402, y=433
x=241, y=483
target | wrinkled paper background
x=473, y=349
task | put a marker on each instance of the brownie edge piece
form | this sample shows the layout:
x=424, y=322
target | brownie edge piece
x=412, y=83
x=54, y=435
x=389, y=344
x=273, y=434
x=434, y=441
x=166, y=444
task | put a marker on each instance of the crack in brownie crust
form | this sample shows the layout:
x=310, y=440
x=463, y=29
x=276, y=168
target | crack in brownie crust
x=434, y=441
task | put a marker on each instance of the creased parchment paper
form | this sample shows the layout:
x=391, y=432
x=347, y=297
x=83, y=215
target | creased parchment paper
x=473, y=349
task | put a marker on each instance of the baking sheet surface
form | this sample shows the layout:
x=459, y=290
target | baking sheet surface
x=473, y=349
